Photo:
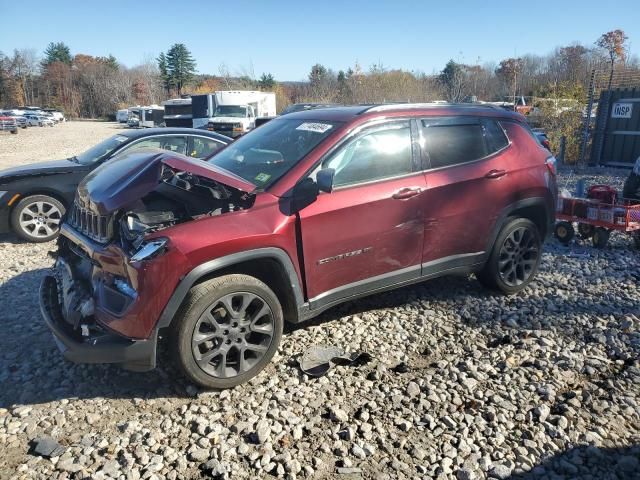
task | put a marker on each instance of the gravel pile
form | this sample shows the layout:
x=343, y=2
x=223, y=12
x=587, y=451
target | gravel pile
x=461, y=384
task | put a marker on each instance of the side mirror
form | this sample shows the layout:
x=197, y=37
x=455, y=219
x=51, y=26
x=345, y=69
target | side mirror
x=324, y=178
x=304, y=194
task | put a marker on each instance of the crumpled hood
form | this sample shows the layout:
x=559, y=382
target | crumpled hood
x=130, y=177
x=41, y=168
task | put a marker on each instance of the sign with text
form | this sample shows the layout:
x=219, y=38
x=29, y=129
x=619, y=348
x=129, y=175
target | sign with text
x=622, y=110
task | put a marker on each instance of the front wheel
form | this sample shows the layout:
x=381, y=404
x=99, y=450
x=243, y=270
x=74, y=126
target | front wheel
x=515, y=257
x=37, y=218
x=227, y=331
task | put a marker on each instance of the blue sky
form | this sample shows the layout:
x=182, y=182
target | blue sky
x=287, y=37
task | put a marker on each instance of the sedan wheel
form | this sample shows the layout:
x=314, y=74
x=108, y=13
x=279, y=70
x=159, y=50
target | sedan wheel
x=37, y=218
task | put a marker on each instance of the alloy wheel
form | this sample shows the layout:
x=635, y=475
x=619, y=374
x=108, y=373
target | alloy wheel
x=518, y=257
x=232, y=335
x=40, y=219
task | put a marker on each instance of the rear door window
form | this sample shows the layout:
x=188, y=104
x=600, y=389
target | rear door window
x=172, y=143
x=204, y=147
x=452, y=141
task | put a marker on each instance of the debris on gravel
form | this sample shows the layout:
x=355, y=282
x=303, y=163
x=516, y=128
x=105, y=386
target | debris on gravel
x=545, y=384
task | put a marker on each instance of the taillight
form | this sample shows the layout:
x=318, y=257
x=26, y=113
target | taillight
x=551, y=165
x=546, y=144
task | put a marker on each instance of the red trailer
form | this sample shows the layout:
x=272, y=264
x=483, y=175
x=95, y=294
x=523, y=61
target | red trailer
x=597, y=217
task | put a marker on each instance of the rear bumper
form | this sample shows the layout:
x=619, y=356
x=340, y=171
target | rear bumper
x=103, y=347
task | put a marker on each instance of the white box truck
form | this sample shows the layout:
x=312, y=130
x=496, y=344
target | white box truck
x=236, y=111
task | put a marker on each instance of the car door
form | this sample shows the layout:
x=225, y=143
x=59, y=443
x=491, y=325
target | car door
x=466, y=172
x=367, y=233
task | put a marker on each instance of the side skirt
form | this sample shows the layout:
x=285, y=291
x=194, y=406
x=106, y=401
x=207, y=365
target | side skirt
x=455, y=264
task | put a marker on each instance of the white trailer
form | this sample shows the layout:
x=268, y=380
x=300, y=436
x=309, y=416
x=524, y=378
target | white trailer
x=177, y=112
x=147, y=117
x=236, y=111
x=122, y=115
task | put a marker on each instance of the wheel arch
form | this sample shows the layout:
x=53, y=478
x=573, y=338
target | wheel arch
x=535, y=209
x=271, y=265
x=41, y=191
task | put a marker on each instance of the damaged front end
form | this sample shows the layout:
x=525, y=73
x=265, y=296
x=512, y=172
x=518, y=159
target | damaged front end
x=113, y=272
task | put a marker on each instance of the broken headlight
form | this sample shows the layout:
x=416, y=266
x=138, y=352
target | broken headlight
x=149, y=249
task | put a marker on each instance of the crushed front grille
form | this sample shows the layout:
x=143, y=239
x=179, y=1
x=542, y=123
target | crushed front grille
x=96, y=227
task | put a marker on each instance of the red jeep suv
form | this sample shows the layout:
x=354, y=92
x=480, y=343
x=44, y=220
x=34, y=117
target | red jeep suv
x=309, y=210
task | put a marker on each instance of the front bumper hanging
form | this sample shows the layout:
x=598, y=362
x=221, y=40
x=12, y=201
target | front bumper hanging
x=104, y=347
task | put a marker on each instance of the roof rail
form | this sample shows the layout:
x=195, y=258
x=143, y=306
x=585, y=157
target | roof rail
x=408, y=106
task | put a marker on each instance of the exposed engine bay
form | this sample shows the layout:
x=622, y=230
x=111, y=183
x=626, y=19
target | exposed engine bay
x=179, y=197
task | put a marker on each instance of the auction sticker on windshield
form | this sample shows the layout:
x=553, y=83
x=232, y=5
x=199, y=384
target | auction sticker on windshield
x=314, y=127
x=263, y=177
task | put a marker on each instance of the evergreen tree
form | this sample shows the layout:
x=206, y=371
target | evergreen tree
x=56, y=52
x=164, y=74
x=266, y=81
x=180, y=66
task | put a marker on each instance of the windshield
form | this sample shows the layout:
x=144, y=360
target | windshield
x=230, y=111
x=101, y=150
x=267, y=153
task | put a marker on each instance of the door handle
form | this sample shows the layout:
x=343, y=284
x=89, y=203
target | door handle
x=495, y=173
x=407, y=192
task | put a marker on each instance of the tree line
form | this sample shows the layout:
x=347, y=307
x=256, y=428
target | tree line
x=88, y=86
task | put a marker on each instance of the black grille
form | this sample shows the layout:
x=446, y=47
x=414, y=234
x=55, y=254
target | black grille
x=96, y=227
x=223, y=127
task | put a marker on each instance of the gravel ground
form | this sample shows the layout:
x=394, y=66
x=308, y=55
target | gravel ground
x=36, y=144
x=461, y=384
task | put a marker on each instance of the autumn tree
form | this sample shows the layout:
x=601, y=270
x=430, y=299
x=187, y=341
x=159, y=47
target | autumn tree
x=509, y=70
x=613, y=43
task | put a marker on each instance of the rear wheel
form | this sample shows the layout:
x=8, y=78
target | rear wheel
x=564, y=232
x=515, y=257
x=600, y=237
x=227, y=331
x=586, y=230
x=37, y=218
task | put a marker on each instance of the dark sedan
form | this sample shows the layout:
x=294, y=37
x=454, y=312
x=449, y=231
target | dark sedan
x=33, y=198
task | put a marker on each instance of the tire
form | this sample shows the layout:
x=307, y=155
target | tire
x=37, y=218
x=600, y=237
x=564, y=232
x=203, y=326
x=586, y=230
x=514, y=259
x=14, y=132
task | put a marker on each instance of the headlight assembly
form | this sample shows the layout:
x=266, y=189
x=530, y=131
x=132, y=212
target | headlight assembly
x=150, y=249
